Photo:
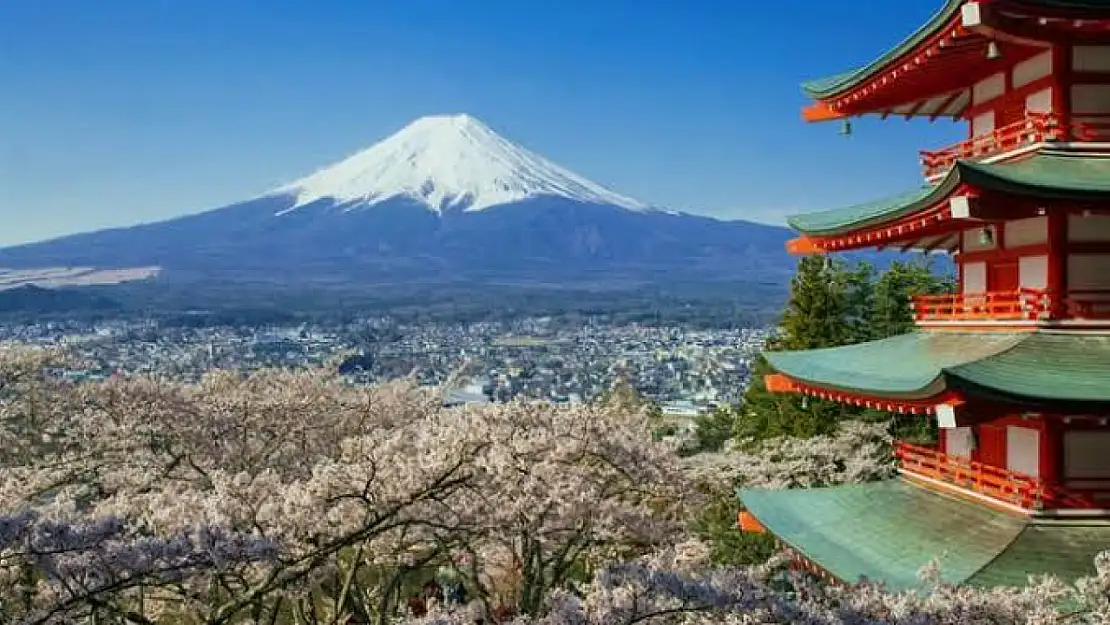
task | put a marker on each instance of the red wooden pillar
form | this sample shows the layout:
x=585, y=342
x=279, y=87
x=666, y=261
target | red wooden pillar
x=1057, y=278
x=1052, y=449
x=1061, y=87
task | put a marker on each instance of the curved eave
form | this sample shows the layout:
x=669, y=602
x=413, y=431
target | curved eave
x=1048, y=175
x=908, y=367
x=824, y=88
x=1060, y=371
x=860, y=216
x=1065, y=370
x=929, y=73
x=886, y=531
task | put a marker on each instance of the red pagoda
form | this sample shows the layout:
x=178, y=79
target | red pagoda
x=1015, y=366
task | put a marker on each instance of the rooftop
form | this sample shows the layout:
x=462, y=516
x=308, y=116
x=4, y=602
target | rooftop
x=888, y=531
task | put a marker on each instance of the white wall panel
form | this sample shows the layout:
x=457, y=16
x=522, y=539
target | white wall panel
x=1023, y=450
x=1091, y=58
x=959, y=442
x=975, y=278
x=1088, y=272
x=1093, y=228
x=1031, y=69
x=982, y=124
x=1088, y=98
x=1039, y=102
x=1033, y=271
x=1023, y=232
x=988, y=89
x=1085, y=454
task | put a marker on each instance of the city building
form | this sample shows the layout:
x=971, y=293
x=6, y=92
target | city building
x=1015, y=366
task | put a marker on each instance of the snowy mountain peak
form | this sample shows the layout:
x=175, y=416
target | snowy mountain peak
x=448, y=162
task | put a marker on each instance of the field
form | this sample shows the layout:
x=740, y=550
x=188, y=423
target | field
x=53, y=277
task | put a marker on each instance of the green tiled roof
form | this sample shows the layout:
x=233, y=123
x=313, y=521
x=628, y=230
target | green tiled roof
x=830, y=86
x=1055, y=174
x=907, y=366
x=1051, y=366
x=887, y=531
x=1033, y=367
x=843, y=219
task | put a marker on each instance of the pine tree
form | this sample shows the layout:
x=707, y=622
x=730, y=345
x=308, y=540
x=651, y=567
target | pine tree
x=833, y=304
x=827, y=308
x=817, y=312
x=892, y=312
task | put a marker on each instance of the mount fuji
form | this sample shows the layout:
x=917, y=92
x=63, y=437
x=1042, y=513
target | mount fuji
x=446, y=198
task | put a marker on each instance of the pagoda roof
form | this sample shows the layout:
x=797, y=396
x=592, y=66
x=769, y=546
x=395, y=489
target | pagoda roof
x=1060, y=369
x=837, y=84
x=887, y=531
x=1048, y=174
x=831, y=86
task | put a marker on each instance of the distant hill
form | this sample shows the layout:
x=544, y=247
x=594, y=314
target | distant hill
x=38, y=300
x=444, y=200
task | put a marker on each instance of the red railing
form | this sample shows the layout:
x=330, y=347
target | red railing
x=1004, y=485
x=1034, y=128
x=1021, y=305
x=1090, y=305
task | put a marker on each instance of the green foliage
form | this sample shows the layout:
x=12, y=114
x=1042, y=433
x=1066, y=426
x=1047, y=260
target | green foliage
x=832, y=304
x=891, y=313
x=818, y=312
x=713, y=429
x=716, y=526
x=764, y=414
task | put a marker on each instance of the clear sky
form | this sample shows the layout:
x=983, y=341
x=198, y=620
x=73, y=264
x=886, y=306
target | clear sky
x=114, y=112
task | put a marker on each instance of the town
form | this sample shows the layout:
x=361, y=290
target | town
x=684, y=371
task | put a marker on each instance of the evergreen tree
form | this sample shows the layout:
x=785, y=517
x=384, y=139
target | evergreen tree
x=827, y=308
x=818, y=311
x=892, y=311
x=833, y=304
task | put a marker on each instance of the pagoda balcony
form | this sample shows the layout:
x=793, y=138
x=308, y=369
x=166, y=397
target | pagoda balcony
x=1010, y=488
x=1022, y=305
x=1035, y=128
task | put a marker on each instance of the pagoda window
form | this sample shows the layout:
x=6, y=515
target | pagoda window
x=1025, y=232
x=959, y=442
x=975, y=277
x=982, y=124
x=1023, y=450
x=1089, y=272
x=1090, y=99
x=1086, y=463
x=988, y=89
x=1032, y=69
x=1094, y=59
x=1039, y=101
x=1033, y=272
x=1089, y=229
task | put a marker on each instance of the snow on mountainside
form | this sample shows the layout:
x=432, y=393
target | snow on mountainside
x=448, y=163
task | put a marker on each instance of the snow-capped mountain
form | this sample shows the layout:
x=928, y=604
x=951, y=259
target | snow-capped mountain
x=447, y=162
x=444, y=198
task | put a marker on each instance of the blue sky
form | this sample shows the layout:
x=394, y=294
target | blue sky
x=116, y=112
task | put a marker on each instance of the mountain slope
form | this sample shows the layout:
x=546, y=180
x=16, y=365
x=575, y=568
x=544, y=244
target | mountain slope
x=444, y=198
x=447, y=162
